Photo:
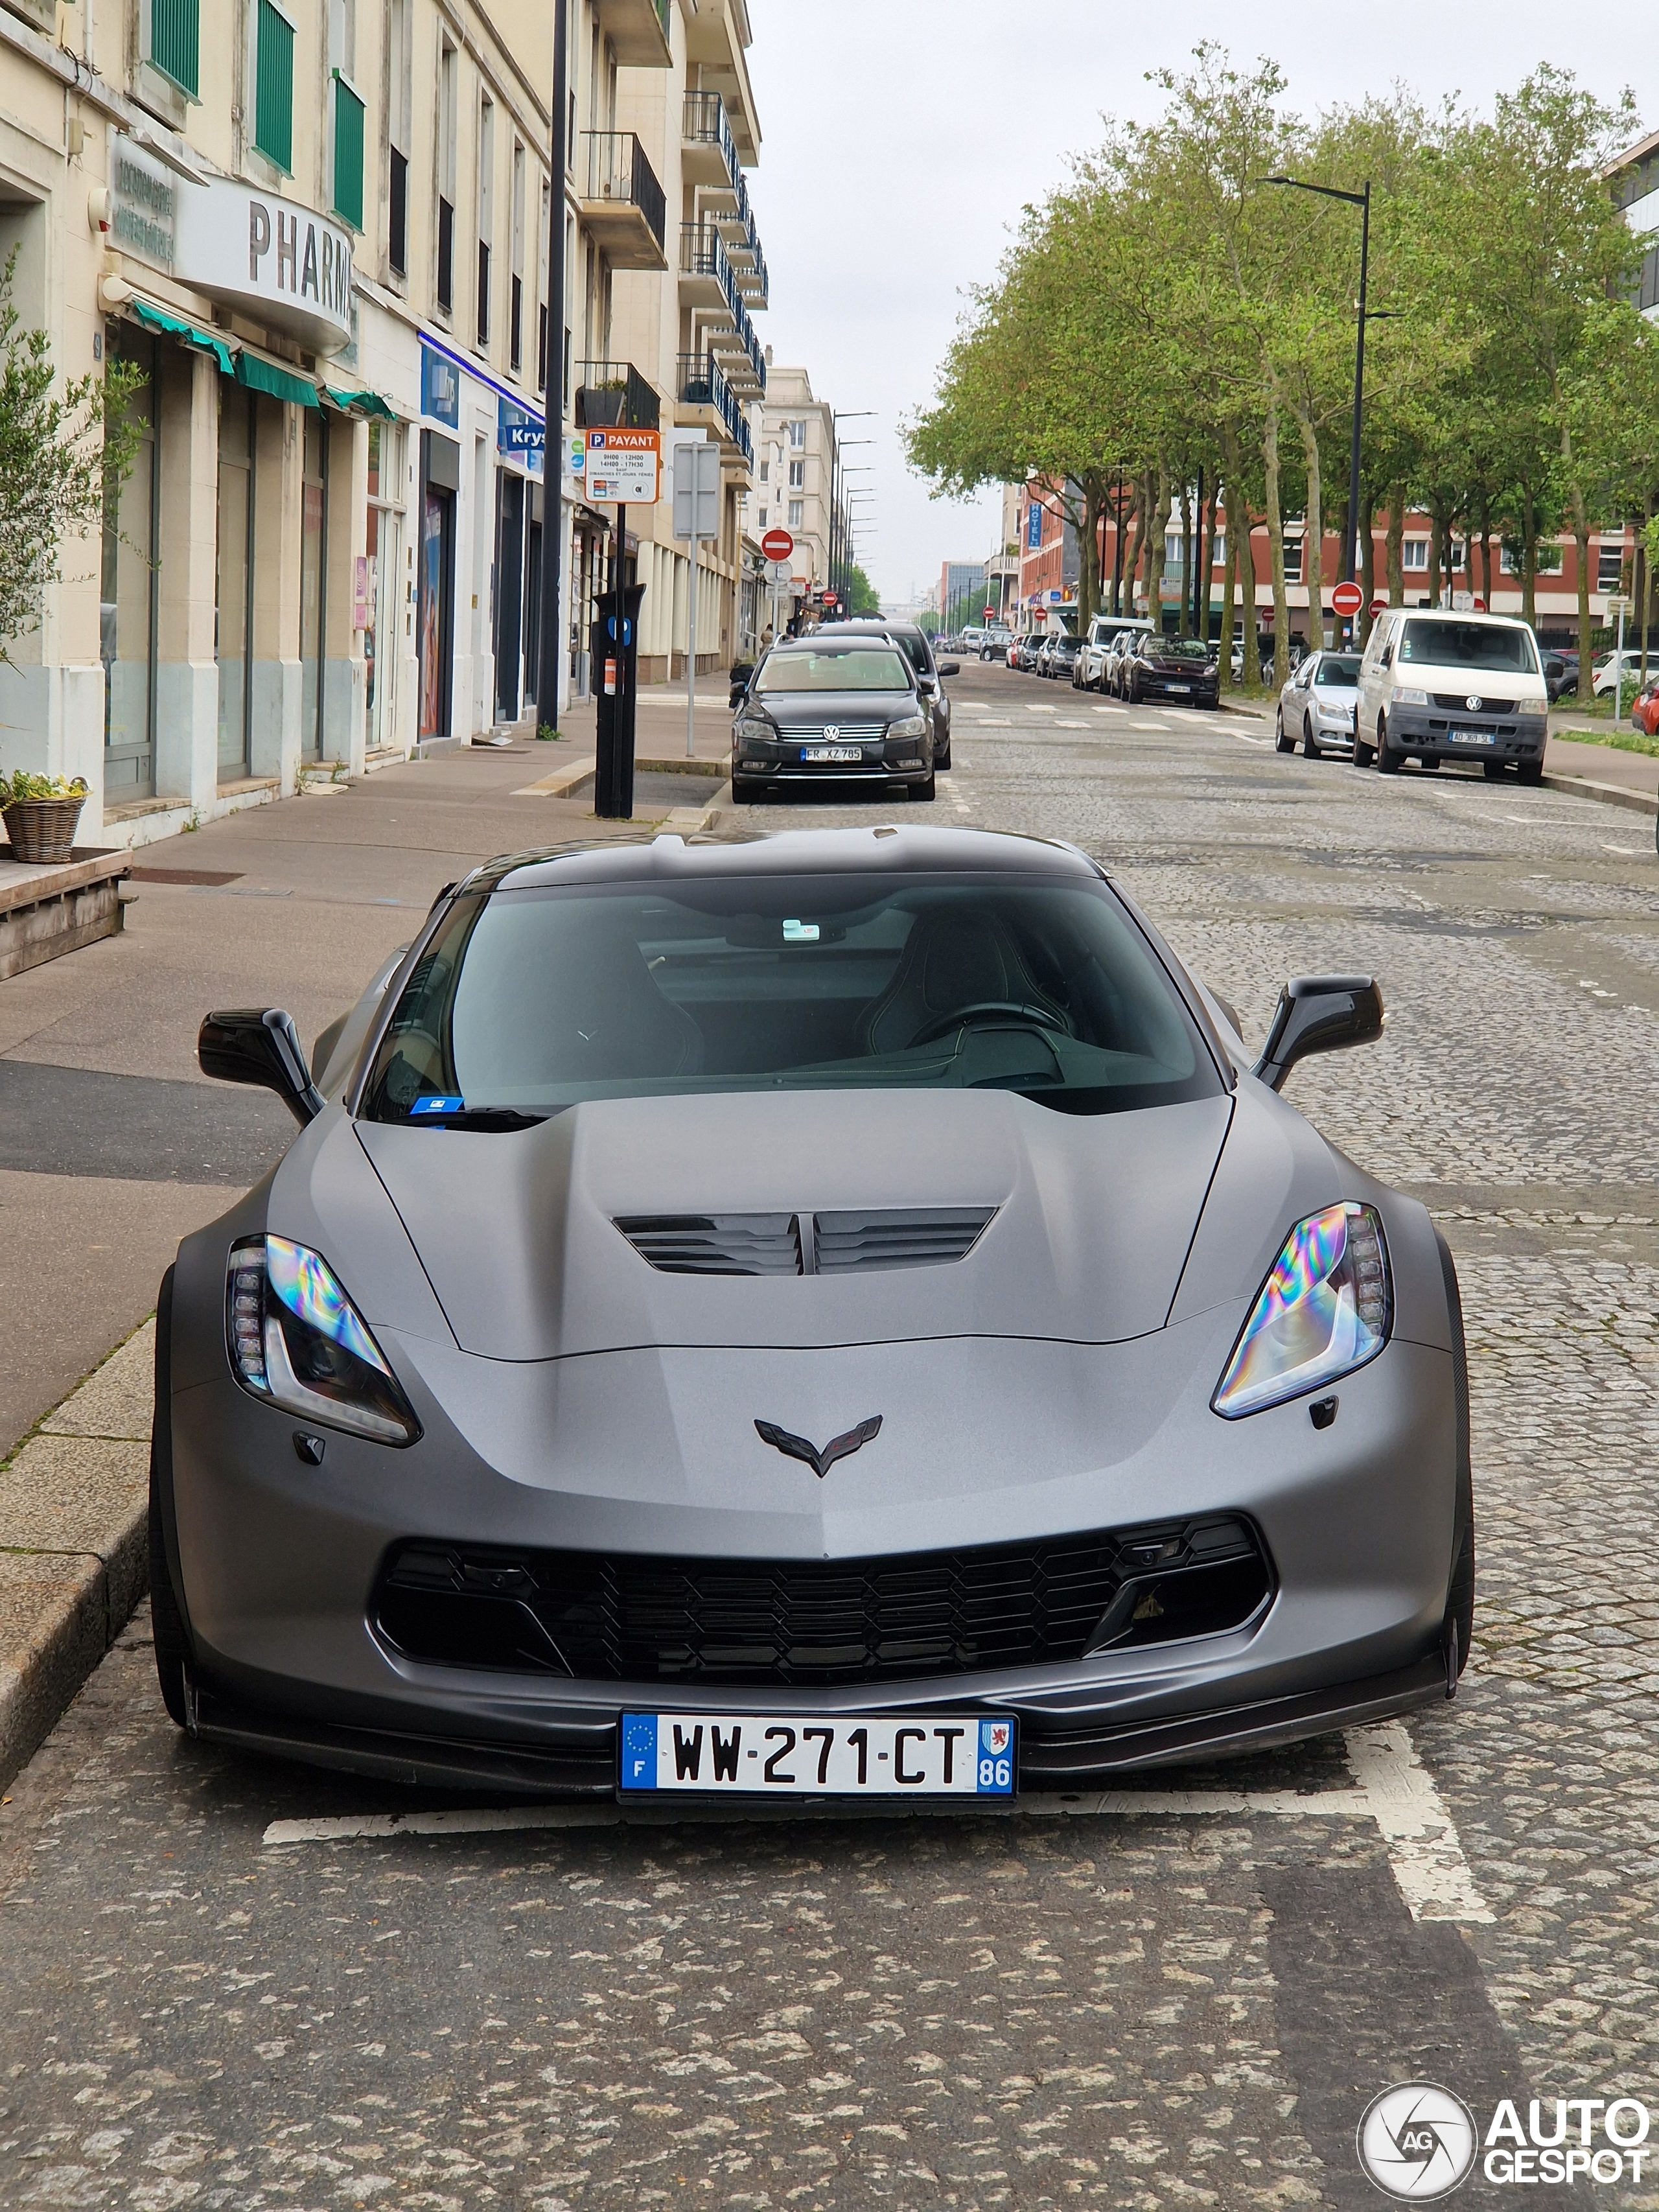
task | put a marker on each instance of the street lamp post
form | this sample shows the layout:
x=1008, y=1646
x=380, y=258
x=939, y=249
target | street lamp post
x=1362, y=200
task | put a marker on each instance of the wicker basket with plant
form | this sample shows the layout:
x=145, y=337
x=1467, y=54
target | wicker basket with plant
x=41, y=812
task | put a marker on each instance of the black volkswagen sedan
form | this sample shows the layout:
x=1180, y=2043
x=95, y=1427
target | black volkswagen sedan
x=1170, y=668
x=822, y=710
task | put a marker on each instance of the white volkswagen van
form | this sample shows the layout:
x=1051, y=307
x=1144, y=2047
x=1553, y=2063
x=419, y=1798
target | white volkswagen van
x=1440, y=684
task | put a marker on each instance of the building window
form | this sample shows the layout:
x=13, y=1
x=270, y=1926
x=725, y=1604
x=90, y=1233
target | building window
x=1414, y=554
x=1292, y=560
x=348, y=154
x=766, y=471
x=175, y=41
x=273, y=79
x=796, y=511
x=446, y=183
x=1219, y=549
x=796, y=476
x=1610, y=566
x=798, y=435
x=397, y=241
x=515, y=288
x=486, y=210
x=763, y=518
x=399, y=74
x=129, y=593
x=541, y=348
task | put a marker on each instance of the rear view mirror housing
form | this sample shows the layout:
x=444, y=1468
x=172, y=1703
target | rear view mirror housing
x=1318, y=1013
x=950, y=668
x=260, y=1045
x=742, y=670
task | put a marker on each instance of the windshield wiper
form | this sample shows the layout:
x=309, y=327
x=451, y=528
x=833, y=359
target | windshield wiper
x=491, y=1121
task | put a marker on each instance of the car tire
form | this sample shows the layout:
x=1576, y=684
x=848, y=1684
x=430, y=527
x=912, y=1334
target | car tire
x=1283, y=741
x=924, y=790
x=1363, y=753
x=1388, y=760
x=1530, y=771
x=943, y=760
x=1132, y=692
x=1309, y=743
x=746, y=791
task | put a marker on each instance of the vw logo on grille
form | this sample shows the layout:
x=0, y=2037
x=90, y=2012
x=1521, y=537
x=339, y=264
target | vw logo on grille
x=1473, y=704
x=832, y=729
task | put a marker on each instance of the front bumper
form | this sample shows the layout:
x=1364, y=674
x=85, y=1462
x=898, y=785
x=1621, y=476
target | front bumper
x=888, y=761
x=278, y=1561
x=1442, y=733
x=1181, y=690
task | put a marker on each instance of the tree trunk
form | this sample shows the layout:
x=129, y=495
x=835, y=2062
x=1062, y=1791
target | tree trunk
x=1246, y=571
x=1088, y=552
x=1137, y=540
x=1186, y=555
x=1158, y=536
x=1437, y=552
x=1313, y=537
x=1229, y=577
x=1206, y=561
x=1276, y=543
x=1480, y=538
x=1362, y=629
x=1645, y=603
x=1393, y=556
x=1581, y=540
x=1528, y=558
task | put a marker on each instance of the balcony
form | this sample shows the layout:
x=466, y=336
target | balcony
x=705, y=398
x=742, y=354
x=708, y=280
x=613, y=394
x=638, y=32
x=623, y=207
x=709, y=153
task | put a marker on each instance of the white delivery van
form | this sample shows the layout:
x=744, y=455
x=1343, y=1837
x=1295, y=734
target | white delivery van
x=1441, y=683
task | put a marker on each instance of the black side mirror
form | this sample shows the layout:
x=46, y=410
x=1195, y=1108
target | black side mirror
x=950, y=668
x=260, y=1045
x=1318, y=1013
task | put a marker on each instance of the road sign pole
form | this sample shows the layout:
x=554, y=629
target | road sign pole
x=691, y=658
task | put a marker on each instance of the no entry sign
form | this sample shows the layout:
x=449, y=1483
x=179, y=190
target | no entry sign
x=777, y=545
x=1347, y=599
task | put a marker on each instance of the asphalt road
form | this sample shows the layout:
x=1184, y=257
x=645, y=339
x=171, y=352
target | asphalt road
x=232, y=1984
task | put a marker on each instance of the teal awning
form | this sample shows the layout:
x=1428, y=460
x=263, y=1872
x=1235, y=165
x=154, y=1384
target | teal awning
x=281, y=383
x=186, y=333
x=360, y=402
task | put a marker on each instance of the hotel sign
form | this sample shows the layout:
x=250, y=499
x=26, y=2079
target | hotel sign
x=277, y=263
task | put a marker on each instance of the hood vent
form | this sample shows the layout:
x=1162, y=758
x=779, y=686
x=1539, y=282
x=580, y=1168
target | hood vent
x=805, y=1245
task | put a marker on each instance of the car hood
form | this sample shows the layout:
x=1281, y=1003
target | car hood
x=794, y=710
x=1093, y=1217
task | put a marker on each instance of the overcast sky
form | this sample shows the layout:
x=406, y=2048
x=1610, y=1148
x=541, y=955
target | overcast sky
x=901, y=139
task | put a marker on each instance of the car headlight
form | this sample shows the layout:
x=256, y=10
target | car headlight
x=296, y=1340
x=753, y=730
x=1407, y=695
x=913, y=726
x=1324, y=1309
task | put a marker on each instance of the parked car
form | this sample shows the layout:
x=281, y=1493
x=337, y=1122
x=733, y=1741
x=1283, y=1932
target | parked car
x=994, y=645
x=1089, y=673
x=912, y=640
x=1644, y=710
x=837, y=708
x=1011, y=657
x=1062, y=658
x=1178, y=668
x=1316, y=706
x=1028, y=649
x=721, y=1283
x=1444, y=685
x=1607, y=672
x=1560, y=674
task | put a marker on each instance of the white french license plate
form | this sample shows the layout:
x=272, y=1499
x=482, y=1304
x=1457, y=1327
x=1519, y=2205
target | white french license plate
x=1474, y=737
x=753, y=1754
x=1172, y=689
x=831, y=752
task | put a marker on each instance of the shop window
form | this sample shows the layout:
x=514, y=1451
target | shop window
x=273, y=77
x=175, y=41
x=314, y=566
x=129, y=596
x=348, y=154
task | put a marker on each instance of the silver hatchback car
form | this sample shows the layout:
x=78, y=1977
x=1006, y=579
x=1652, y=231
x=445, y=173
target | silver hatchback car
x=1316, y=706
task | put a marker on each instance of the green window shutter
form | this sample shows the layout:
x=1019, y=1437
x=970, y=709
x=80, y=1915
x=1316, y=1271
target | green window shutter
x=273, y=96
x=175, y=41
x=347, y=153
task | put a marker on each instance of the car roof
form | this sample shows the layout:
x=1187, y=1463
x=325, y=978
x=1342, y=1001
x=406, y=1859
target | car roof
x=883, y=850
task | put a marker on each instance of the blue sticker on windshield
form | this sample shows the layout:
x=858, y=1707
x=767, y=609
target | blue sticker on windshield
x=439, y=1106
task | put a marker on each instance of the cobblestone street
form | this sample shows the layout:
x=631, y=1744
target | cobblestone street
x=1161, y=2006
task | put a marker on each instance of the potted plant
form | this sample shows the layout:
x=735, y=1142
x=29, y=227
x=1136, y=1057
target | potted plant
x=41, y=812
x=602, y=404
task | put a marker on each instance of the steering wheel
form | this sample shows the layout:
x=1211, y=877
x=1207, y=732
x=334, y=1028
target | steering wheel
x=989, y=1007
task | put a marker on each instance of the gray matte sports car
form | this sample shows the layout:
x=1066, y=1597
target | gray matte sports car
x=850, y=1290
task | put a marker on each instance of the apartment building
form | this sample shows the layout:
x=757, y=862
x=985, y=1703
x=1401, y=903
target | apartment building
x=1634, y=179
x=319, y=236
x=795, y=487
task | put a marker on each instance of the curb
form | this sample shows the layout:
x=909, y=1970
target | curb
x=1609, y=794
x=74, y=1544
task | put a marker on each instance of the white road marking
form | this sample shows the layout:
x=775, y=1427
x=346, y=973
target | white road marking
x=1033, y=707
x=1071, y=725
x=1392, y=1787
x=1244, y=740
x=1109, y=710
x=1151, y=725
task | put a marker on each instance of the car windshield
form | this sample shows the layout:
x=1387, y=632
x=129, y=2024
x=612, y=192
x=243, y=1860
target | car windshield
x=1504, y=646
x=1339, y=669
x=846, y=668
x=530, y=1001
x=1183, y=649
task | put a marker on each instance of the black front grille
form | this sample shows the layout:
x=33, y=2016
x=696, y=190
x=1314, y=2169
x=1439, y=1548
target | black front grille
x=1456, y=702
x=806, y=1243
x=619, y=1617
